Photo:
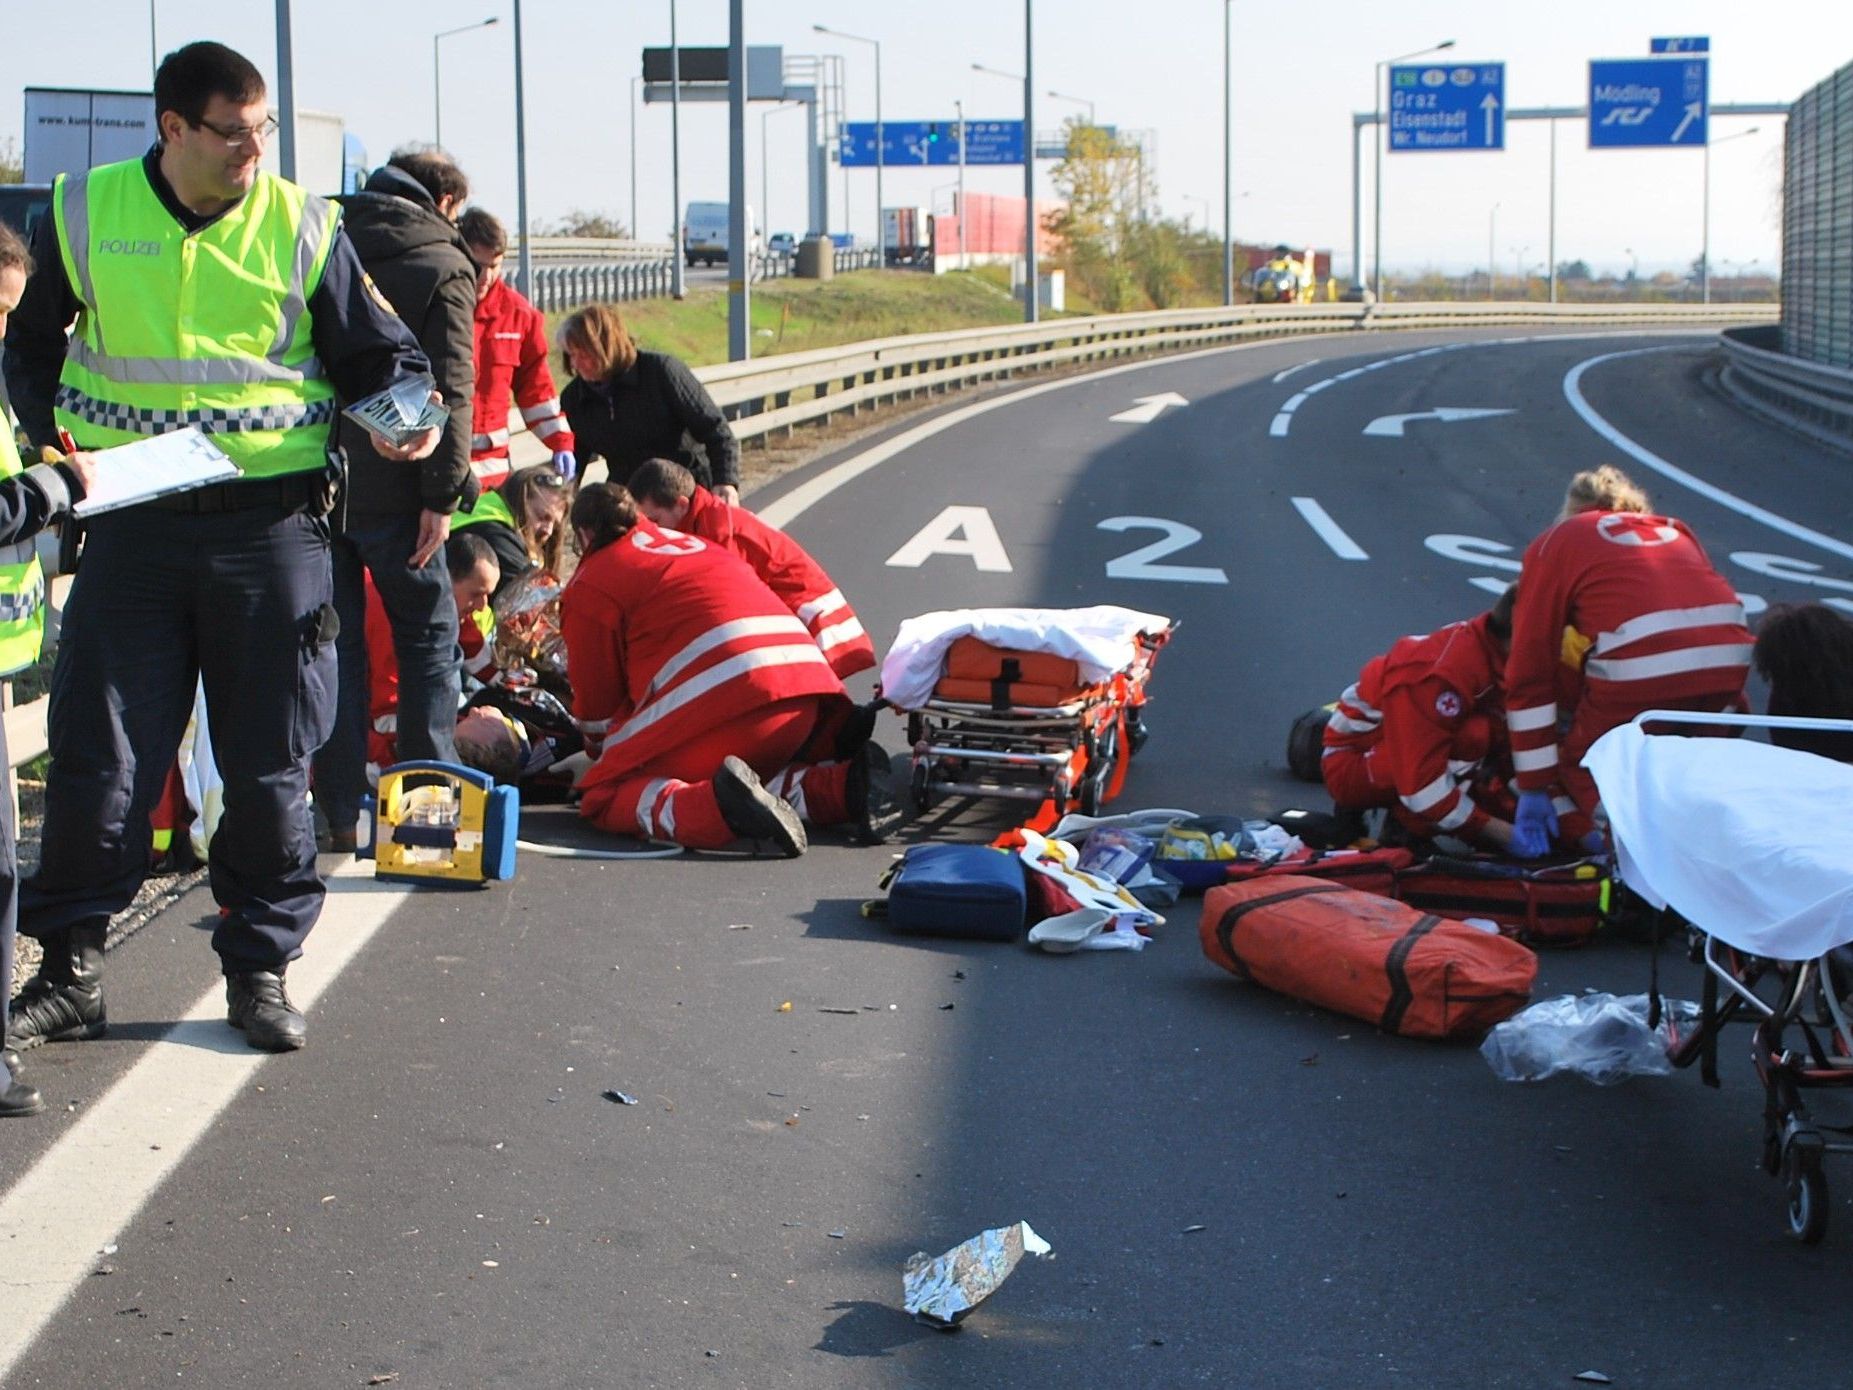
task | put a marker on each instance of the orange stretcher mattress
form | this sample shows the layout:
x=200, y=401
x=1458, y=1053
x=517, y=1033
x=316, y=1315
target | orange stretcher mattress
x=980, y=674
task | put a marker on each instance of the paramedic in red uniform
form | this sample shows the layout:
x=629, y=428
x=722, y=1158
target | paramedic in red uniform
x=511, y=354
x=1419, y=723
x=694, y=685
x=1628, y=600
x=668, y=494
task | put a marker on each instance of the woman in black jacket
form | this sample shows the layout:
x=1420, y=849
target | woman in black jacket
x=626, y=405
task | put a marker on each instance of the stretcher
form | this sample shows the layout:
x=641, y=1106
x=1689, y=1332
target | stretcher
x=1749, y=848
x=1028, y=724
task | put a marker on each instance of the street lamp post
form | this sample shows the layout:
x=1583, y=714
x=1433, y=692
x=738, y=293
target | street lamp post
x=678, y=285
x=1492, y=223
x=881, y=237
x=1379, y=139
x=437, y=76
x=765, y=178
x=1705, y=231
x=1634, y=265
x=958, y=108
x=1228, y=174
x=1030, y=311
x=635, y=234
x=525, y=259
x=1518, y=269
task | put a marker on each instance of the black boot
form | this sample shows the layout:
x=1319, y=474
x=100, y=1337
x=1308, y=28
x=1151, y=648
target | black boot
x=17, y=1098
x=64, y=1001
x=870, y=796
x=753, y=813
x=255, y=1002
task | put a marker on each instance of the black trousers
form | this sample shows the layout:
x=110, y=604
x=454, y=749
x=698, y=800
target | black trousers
x=164, y=599
x=423, y=616
x=9, y=879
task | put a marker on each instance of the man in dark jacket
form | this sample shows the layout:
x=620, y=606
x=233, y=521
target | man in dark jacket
x=397, y=516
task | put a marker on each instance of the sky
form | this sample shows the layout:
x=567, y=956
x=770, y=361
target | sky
x=1297, y=76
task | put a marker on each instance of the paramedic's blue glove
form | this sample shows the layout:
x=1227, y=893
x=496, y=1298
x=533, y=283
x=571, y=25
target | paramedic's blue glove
x=565, y=464
x=1534, y=826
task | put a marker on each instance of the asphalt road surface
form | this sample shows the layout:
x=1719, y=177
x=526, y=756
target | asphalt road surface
x=1240, y=1190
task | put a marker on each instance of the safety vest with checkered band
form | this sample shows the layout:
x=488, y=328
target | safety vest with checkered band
x=22, y=582
x=208, y=328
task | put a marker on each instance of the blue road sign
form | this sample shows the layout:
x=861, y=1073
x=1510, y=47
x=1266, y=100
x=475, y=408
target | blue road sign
x=1459, y=106
x=1694, y=45
x=1650, y=103
x=917, y=143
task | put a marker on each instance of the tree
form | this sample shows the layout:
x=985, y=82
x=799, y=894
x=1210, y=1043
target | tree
x=1574, y=270
x=590, y=224
x=1098, y=178
x=12, y=163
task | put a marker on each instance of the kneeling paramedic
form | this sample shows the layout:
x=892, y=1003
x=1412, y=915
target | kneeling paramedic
x=1418, y=726
x=242, y=311
x=710, y=711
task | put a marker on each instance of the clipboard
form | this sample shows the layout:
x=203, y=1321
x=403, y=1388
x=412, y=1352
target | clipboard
x=158, y=467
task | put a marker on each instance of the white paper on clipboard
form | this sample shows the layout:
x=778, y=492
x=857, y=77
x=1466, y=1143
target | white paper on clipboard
x=150, y=468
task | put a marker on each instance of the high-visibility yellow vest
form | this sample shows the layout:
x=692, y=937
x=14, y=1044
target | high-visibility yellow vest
x=489, y=507
x=22, y=582
x=208, y=328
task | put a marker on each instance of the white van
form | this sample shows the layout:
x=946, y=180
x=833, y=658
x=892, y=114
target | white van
x=704, y=233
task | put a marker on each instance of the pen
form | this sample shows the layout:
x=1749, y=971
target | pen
x=70, y=444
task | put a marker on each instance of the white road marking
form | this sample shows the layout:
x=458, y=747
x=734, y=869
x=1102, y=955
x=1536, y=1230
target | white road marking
x=86, y=1189
x=1142, y=563
x=1281, y=376
x=1572, y=390
x=1391, y=426
x=1473, y=550
x=1148, y=409
x=967, y=531
x=1329, y=530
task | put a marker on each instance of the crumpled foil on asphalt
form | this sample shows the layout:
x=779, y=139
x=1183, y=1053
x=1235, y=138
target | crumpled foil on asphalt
x=940, y=1292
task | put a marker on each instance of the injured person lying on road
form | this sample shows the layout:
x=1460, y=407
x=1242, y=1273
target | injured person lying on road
x=710, y=711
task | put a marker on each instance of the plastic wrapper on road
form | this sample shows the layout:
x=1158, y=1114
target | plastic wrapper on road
x=1598, y=1037
x=940, y=1292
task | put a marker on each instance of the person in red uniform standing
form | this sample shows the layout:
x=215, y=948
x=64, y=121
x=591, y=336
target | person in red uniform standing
x=1629, y=602
x=668, y=494
x=692, y=682
x=1421, y=726
x=511, y=355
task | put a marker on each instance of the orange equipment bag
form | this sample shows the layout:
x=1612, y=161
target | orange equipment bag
x=1408, y=972
x=978, y=673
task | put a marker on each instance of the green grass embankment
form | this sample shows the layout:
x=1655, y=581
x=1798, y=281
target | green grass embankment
x=797, y=315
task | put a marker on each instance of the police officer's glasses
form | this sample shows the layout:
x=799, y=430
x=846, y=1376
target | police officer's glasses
x=240, y=136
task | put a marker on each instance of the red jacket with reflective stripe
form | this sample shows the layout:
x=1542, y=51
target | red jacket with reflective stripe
x=382, y=682
x=667, y=636
x=1648, y=620
x=1429, y=705
x=511, y=355
x=786, y=568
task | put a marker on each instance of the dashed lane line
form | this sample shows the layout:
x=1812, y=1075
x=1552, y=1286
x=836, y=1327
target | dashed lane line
x=1329, y=530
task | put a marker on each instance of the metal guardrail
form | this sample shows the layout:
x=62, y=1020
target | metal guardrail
x=569, y=286
x=1809, y=396
x=592, y=250
x=779, y=393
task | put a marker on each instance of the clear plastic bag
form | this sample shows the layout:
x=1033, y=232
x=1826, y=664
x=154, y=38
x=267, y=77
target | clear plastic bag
x=1599, y=1037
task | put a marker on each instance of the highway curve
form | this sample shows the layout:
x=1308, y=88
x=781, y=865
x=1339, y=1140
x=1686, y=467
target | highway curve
x=1240, y=1190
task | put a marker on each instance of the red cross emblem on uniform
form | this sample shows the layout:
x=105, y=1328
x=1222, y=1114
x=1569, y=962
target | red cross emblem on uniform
x=1448, y=705
x=1632, y=528
x=667, y=543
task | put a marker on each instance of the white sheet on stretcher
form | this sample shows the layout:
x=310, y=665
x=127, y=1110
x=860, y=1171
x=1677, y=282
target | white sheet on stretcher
x=1101, y=640
x=1749, y=842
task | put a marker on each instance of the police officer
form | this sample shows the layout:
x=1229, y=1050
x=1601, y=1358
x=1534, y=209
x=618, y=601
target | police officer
x=207, y=293
x=28, y=500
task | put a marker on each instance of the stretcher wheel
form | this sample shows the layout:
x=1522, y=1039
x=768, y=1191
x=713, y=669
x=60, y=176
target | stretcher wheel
x=1807, y=1204
x=922, y=789
x=1136, y=732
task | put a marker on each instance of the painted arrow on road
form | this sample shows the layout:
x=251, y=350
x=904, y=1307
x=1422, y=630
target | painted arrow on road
x=1148, y=409
x=1391, y=426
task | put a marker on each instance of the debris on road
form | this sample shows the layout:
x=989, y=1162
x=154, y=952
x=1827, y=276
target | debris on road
x=385, y=1378
x=784, y=1008
x=1593, y=1378
x=940, y=1292
x=839, y=1235
x=838, y=1011
x=1192, y=1230
x=620, y=1097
